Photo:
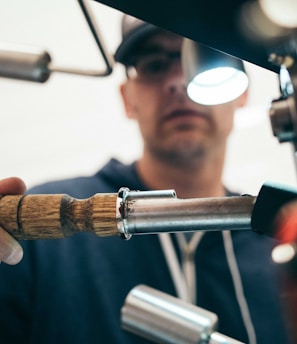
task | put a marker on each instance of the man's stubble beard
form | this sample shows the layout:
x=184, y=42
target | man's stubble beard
x=183, y=153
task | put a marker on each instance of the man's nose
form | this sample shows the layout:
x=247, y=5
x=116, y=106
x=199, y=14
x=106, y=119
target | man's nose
x=175, y=82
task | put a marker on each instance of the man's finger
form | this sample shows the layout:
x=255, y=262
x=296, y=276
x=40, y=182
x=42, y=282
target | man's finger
x=12, y=186
x=11, y=251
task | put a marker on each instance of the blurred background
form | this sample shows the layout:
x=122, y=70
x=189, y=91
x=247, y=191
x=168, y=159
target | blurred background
x=72, y=125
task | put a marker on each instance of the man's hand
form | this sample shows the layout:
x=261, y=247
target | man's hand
x=11, y=251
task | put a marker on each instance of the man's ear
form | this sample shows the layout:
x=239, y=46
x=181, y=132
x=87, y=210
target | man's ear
x=242, y=100
x=124, y=90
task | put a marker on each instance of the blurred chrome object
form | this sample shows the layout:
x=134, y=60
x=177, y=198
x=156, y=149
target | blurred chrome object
x=162, y=318
x=24, y=63
x=212, y=76
x=273, y=24
x=283, y=54
x=33, y=64
x=283, y=111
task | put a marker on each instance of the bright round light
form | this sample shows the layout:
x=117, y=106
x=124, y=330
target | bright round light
x=281, y=12
x=283, y=253
x=217, y=86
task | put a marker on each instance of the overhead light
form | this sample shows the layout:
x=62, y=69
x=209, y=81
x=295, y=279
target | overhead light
x=212, y=76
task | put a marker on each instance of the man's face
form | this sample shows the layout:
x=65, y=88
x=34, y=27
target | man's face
x=172, y=126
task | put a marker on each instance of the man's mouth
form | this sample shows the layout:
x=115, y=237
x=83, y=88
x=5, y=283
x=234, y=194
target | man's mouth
x=185, y=115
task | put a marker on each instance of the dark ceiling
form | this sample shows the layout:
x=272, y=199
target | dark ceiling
x=216, y=23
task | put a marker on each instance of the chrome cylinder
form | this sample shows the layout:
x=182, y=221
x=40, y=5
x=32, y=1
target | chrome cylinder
x=147, y=215
x=24, y=63
x=162, y=318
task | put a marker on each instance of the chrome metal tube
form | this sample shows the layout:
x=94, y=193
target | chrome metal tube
x=140, y=215
x=162, y=318
x=165, y=319
x=24, y=63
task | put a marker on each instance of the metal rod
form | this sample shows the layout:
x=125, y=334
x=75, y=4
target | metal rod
x=139, y=215
x=107, y=57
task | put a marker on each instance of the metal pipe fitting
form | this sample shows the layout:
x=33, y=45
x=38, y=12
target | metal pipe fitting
x=162, y=318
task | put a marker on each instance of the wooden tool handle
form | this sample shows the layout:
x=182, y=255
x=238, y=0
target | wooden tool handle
x=57, y=216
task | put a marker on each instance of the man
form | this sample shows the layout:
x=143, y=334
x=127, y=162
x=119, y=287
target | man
x=72, y=290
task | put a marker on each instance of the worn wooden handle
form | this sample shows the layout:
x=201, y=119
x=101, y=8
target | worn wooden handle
x=57, y=216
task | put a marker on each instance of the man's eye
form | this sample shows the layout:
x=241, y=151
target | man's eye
x=154, y=66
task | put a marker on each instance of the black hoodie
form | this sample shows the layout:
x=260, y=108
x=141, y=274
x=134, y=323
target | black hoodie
x=71, y=290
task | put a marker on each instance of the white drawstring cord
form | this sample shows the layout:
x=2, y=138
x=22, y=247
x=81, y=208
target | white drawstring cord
x=176, y=273
x=237, y=282
x=188, y=250
x=184, y=277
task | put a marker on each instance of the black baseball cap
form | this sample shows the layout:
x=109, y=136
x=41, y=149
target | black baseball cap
x=134, y=31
